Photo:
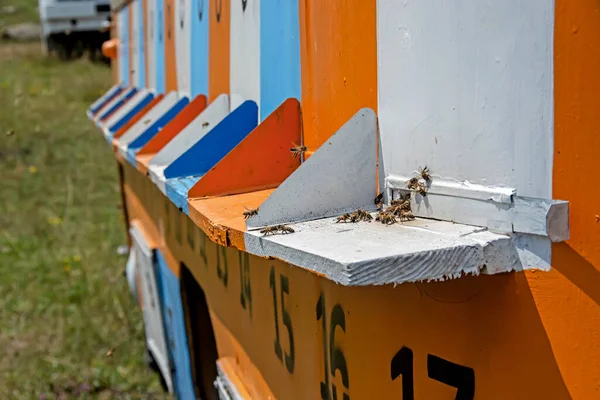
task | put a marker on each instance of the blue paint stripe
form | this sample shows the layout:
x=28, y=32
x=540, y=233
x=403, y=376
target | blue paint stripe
x=199, y=48
x=215, y=145
x=160, y=123
x=141, y=50
x=124, y=35
x=160, y=46
x=131, y=92
x=112, y=94
x=136, y=109
x=173, y=317
x=279, y=54
x=177, y=191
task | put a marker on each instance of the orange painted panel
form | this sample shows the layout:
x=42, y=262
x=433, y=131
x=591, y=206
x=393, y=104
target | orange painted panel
x=218, y=48
x=574, y=325
x=261, y=161
x=137, y=117
x=170, y=57
x=338, y=53
x=170, y=130
x=222, y=218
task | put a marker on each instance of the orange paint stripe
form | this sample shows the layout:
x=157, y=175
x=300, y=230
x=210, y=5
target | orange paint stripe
x=338, y=82
x=170, y=56
x=171, y=130
x=218, y=48
x=261, y=161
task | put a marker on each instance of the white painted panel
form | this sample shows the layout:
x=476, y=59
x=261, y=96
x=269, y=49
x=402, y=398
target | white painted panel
x=133, y=42
x=183, y=31
x=151, y=45
x=467, y=89
x=245, y=52
x=153, y=322
x=190, y=135
x=149, y=118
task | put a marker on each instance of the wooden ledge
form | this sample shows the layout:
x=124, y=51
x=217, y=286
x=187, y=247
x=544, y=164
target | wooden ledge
x=222, y=218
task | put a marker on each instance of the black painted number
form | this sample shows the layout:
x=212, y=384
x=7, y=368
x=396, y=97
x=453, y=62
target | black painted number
x=455, y=375
x=285, y=319
x=332, y=354
x=245, y=289
x=222, y=269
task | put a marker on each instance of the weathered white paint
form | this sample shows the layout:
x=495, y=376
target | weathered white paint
x=190, y=135
x=466, y=88
x=183, y=31
x=151, y=44
x=147, y=120
x=339, y=177
x=123, y=110
x=358, y=254
x=153, y=321
x=244, y=78
x=133, y=42
x=226, y=389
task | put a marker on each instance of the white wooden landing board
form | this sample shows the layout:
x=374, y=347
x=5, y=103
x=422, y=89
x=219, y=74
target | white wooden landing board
x=147, y=120
x=123, y=110
x=339, y=177
x=190, y=135
x=369, y=253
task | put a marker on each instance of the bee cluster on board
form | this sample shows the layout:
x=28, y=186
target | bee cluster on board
x=399, y=210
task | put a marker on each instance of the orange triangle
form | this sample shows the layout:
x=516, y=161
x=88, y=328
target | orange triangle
x=261, y=161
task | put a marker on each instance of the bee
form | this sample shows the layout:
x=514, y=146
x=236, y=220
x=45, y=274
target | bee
x=402, y=203
x=379, y=199
x=10, y=132
x=271, y=230
x=147, y=121
x=205, y=124
x=250, y=212
x=343, y=218
x=386, y=218
x=406, y=216
x=425, y=174
x=419, y=187
x=363, y=215
x=297, y=150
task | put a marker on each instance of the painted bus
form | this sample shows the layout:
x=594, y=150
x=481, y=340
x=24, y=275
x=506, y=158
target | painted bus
x=361, y=199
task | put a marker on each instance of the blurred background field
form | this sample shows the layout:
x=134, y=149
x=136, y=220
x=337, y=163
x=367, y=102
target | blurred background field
x=68, y=325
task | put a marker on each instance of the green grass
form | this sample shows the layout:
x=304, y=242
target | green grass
x=25, y=11
x=67, y=319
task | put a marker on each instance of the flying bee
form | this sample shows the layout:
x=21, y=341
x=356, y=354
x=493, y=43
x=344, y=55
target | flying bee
x=425, y=174
x=250, y=212
x=386, y=218
x=363, y=215
x=205, y=124
x=343, y=218
x=421, y=189
x=297, y=150
x=271, y=230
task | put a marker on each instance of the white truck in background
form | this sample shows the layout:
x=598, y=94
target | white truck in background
x=70, y=27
